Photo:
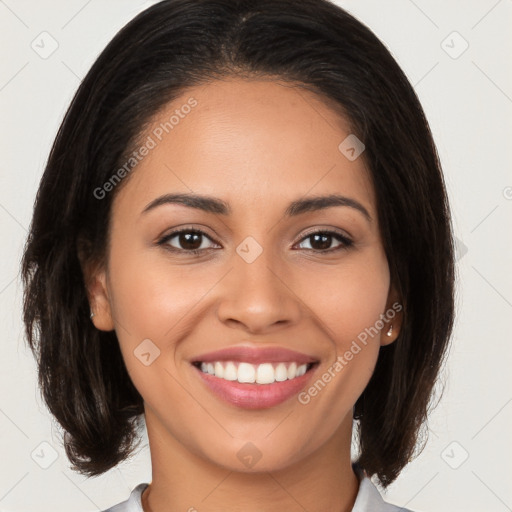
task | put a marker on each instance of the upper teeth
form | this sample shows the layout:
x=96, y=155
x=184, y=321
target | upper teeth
x=264, y=373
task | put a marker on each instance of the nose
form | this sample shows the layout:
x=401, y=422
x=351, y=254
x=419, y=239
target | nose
x=258, y=297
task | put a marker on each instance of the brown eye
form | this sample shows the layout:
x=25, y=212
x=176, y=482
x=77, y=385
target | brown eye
x=321, y=241
x=186, y=241
x=189, y=241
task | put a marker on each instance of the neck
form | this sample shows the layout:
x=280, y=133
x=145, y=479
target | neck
x=183, y=481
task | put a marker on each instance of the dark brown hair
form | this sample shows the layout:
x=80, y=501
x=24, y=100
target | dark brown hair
x=177, y=44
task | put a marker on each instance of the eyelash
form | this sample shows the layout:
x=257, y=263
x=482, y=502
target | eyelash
x=346, y=242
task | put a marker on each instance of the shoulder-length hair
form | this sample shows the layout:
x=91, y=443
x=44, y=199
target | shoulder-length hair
x=177, y=44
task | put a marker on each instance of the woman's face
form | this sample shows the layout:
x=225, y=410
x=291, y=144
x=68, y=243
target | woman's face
x=262, y=280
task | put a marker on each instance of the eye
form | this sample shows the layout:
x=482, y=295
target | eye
x=192, y=241
x=188, y=240
x=323, y=240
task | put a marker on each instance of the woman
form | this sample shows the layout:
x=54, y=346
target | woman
x=242, y=236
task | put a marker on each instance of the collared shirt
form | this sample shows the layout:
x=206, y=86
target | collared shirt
x=368, y=499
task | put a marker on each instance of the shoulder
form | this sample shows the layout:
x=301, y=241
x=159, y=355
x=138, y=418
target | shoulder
x=133, y=503
x=369, y=499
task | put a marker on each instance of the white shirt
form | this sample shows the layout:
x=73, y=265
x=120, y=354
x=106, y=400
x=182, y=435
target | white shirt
x=368, y=500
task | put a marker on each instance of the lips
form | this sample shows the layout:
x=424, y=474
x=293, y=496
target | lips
x=255, y=378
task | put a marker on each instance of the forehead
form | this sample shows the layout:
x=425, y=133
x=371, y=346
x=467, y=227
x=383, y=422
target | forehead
x=249, y=141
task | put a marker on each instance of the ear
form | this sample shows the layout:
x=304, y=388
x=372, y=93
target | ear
x=95, y=279
x=97, y=291
x=392, y=318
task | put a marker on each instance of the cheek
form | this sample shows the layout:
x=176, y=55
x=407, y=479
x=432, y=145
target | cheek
x=153, y=302
x=348, y=303
x=348, y=300
x=152, y=295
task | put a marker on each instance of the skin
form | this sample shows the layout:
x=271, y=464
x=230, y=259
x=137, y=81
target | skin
x=257, y=145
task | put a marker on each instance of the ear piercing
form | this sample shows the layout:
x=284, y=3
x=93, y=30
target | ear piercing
x=390, y=330
x=92, y=314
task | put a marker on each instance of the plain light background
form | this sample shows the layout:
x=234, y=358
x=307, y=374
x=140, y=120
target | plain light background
x=467, y=96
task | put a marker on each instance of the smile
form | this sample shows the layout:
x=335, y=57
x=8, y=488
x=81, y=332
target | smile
x=244, y=372
x=249, y=376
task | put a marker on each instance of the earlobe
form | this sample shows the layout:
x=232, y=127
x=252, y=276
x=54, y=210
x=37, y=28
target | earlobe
x=390, y=333
x=392, y=319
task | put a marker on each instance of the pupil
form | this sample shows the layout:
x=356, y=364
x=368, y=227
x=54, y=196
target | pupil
x=326, y=240
x=187, y=242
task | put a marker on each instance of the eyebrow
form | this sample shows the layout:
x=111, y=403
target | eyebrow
x=214, y=205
